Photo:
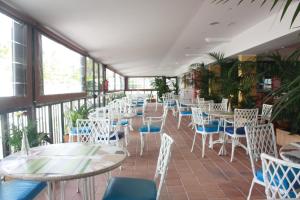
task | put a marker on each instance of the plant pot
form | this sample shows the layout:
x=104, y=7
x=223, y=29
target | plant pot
x=285, y=137
x=66, y=138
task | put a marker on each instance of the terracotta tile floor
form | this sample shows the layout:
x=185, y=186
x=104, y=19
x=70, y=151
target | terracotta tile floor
x=189, y=176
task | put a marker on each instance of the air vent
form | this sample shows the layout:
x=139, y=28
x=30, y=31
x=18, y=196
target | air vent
x=214, y=23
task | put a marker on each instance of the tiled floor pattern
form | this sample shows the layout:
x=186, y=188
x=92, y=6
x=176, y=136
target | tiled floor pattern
x=189, y=176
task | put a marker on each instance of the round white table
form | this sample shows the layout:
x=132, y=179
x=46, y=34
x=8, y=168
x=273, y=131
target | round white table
x=291, y=152
x=61, y=162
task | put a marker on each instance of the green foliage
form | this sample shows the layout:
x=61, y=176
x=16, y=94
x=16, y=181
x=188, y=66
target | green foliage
x=287, y=108
x=15, y=134
x=78, y=113
x=160, y=85
x=275, y=3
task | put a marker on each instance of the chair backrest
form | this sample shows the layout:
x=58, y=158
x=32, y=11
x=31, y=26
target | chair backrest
x=260, y=139
x=218, y=107
x=281, y=178
x=163, y=160
x=245, y=117
x=93, y=130
x=204, y=106
x=198, y=117
x=266, y=112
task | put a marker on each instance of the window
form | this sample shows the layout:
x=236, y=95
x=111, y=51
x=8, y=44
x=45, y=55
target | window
x=122, y=82
x=96, y=77
x=171, y=82
x=110, y=76
x=118, y=82
x=140, y=83
x=13, y=57
x=62, y=69
x=89, y=76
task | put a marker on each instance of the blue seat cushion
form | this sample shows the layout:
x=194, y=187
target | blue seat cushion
x=290, y=177
x=186, y=112
x=81, y=130
x=239, y=131
x=172, y=104
x=20, y=190
x=120, y=135
x=139, y=113
x=123, y=122
x=209, y=128
x=144, y=129
x=121, y=188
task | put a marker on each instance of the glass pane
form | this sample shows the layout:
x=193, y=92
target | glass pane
x=96, y=77
x=101, y=77
x=13, y=57
x=140, y=83
x=118, y=82
x=63, y=69
x=89, y=75
x=148, y=82
x=110, y=76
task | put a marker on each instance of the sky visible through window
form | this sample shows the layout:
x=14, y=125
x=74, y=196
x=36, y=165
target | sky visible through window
x=62, y=69
x=6, y=70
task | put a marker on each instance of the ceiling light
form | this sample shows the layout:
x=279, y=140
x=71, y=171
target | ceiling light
x=211, y=40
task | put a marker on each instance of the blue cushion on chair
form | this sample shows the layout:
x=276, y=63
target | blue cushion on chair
x=120, y=188
x=186, y=112
x=139, y=113
x=145, y=129
x=239, y=131
x=291, y=176
x=123, y=122
x=120, y=135
x=208, y=128
x=20, y=190
x=83, y=130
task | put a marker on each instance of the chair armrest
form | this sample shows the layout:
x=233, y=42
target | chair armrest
x=226, y=121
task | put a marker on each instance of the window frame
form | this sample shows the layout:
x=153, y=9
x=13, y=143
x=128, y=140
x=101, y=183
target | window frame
x=39, y=97
x=15, y=102
x=138, y=89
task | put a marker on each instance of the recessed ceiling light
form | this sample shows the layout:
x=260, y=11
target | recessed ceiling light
x=214, y=23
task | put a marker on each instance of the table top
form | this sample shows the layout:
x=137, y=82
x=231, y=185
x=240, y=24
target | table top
x=63, y=161
x=291, y=152
x=222, y=114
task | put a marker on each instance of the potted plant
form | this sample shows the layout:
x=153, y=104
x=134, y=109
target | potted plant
x=160, y=85
x=14, y=136
x=81, y=112
x=286, y=112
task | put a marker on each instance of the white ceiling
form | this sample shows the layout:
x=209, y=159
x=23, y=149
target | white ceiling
x=144, y=37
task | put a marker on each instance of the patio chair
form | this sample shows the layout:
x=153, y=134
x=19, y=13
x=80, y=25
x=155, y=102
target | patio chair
x=236, y=129
x=169, y=101
x=266, y=114
x=282, y=178
x=21, y=189
x=204, y=126
x=183, y=111
x=200, y=100
x=152, y=125
x=260, y=139
x=126, y=188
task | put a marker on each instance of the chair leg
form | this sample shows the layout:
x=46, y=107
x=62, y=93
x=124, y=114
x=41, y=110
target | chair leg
x=211, y=143
x=142, y=144
x=62, y=190
x=179, y=120
x=126, y=131
x=78, y=185
x=250, y=191
x=233, y=144
x=203, y=144
x=194, y=141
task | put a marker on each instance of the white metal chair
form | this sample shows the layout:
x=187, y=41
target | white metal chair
x=282, y=178
x=137, y=189
x=266, y=114
x=236, y=130
x=204, y=126
x=169, y=101
x=200, y=100
x=260, y=139
x=152, y=125
x=183, y=111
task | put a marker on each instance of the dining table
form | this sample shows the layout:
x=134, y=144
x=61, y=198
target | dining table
x=291, y=152
x=63, y=162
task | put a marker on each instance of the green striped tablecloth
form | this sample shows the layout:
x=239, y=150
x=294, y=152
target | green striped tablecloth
x=62, y=162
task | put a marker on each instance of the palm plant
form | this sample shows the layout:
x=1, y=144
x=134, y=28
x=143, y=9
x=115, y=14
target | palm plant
x=160, y=85
x=275, y=3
